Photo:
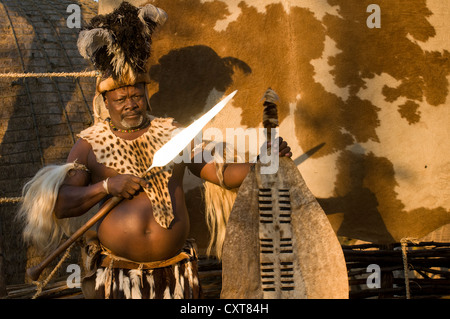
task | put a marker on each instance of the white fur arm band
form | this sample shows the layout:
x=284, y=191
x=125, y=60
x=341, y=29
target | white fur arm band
x=105, y=185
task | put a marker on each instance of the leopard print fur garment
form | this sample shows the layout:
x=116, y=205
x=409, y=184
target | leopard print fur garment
x=134, y=157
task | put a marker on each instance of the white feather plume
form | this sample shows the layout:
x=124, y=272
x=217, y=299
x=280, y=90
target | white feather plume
x=157, y=15
x=90, y=41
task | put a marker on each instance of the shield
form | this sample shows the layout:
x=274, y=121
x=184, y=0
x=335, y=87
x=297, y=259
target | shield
x=279, y=243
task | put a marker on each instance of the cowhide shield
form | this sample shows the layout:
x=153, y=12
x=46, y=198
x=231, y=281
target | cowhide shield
x=279, y=242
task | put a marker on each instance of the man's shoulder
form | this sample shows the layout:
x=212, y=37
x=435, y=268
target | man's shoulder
x=83, y=147
x=99, y=127
x=163, y=121
x=80, y=152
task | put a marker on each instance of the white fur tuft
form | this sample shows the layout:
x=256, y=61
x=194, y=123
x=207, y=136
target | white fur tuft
x=135, y=278
x=167, y=294
x=41, y=227
x=126, y=287
x=100, y=278
x=151, y=282
x=219, y=202
x=178, y=293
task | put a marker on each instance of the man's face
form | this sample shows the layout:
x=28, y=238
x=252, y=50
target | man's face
x=127, y=106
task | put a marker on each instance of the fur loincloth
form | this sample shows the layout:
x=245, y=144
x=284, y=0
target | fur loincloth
x=134, y=157
x=176, y=278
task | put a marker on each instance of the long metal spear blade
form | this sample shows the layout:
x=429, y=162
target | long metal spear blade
x=173, y=147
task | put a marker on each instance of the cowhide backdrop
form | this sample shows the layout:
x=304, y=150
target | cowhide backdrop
x=365, y=110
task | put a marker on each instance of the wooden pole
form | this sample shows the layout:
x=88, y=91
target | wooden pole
x=3, y=292
x=386, y=277
x=35, y=272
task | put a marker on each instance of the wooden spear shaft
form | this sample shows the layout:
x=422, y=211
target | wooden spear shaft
x=35, y=271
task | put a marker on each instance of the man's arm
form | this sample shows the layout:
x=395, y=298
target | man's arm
x=77, y=194
x=233, y=173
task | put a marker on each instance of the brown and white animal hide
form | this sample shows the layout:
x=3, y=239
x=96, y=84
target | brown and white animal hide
x=105, y=279
x=365, y=110
x=179, y=281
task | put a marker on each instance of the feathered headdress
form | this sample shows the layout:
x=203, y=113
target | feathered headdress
x=119, y=44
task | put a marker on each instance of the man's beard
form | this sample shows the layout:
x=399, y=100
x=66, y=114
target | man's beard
x=133, y=123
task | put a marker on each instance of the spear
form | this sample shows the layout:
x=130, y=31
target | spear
x=161, y=158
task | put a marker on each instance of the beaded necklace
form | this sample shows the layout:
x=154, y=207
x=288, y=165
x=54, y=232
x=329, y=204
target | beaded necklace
x=114, y=128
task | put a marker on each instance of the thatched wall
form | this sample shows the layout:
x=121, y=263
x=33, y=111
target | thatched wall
x=39, y=117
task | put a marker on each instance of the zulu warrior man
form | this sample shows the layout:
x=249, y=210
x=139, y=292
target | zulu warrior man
x=141, y=248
